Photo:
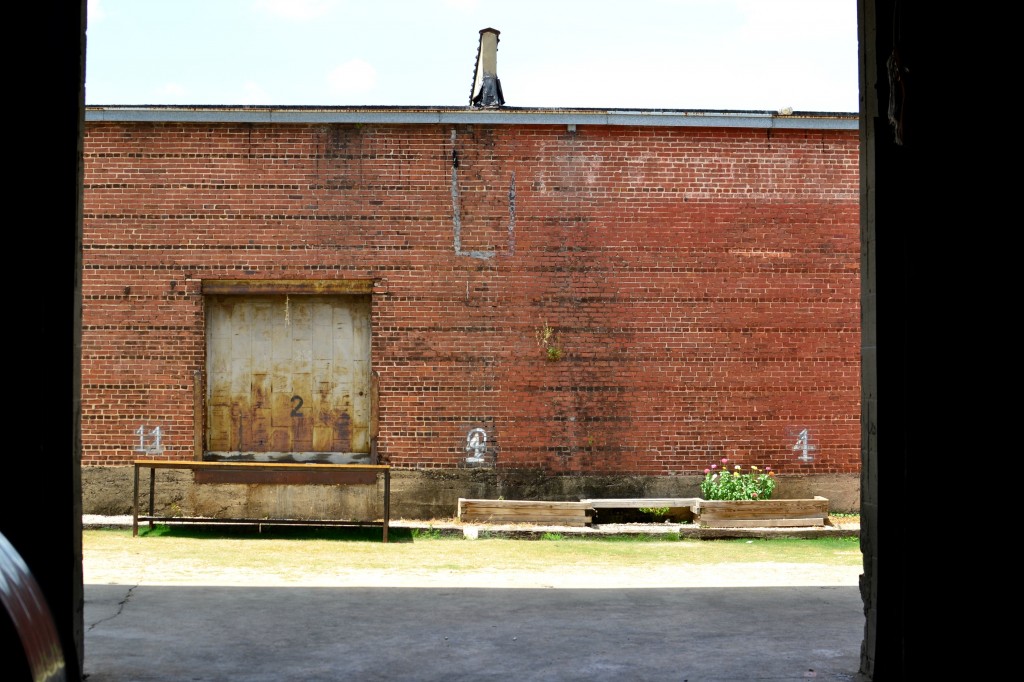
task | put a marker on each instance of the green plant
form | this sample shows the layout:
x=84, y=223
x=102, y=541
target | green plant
x=426, y=533
x=547, y=337
x=735, y=484
x=655, y=511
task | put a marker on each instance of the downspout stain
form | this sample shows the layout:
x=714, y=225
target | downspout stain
x=512, y=215
x=457, y=212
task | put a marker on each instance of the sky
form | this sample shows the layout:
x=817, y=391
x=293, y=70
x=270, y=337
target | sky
x=761, y=55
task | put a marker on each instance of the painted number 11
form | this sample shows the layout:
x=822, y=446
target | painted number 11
x=149, y=441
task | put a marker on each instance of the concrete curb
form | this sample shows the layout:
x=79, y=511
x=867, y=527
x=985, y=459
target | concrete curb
x=533, y=531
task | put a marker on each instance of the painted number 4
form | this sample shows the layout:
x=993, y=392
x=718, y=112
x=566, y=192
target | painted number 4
x=803, y=444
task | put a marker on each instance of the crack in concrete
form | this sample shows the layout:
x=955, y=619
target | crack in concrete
x=120, y=608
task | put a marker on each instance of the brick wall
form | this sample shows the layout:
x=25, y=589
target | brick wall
x=701, y=284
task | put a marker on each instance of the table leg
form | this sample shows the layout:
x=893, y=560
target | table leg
x=152, y=490
x=387, y=502
x=135, y=503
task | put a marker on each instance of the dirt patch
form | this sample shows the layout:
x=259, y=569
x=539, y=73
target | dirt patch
x=111, y=557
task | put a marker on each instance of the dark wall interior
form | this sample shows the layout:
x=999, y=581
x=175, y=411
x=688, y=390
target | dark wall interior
x=907, y=213
x=40, y=505
x=40, y=510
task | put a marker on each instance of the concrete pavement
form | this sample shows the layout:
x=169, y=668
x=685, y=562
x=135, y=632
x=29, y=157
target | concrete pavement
x=166, y=633
x=142, y=633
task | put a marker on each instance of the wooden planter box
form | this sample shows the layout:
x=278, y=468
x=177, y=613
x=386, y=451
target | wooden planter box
x=760, y=513
x=525, y=511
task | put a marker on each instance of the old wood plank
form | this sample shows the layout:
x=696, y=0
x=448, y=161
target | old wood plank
x=254, y=466
x=523, y=517
x=535, y=505
x=287, y=286
x=512, y=504
x=759, y=523
x=752, y=514
x=641, y=502
x=802, y=507
x=198, y=418
x=291, y=477
x=532, y=518
x=525, y=511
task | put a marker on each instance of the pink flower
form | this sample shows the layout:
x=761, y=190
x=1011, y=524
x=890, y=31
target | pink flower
x=725, y=460
x=707, y=471
x=767, y=468
x=714, y=466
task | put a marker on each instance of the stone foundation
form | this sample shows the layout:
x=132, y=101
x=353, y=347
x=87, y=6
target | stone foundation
x=415, y=494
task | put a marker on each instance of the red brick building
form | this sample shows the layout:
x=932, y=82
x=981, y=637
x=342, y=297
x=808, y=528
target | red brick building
x=470, y=294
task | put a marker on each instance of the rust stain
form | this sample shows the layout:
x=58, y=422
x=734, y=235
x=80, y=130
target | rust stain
x=344, y=427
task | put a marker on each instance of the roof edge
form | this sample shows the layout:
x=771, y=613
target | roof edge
x=462, y=115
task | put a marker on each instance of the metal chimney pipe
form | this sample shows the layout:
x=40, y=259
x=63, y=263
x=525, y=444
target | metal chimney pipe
x=486, y=90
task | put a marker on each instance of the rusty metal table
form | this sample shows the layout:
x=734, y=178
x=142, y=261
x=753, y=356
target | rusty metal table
x=280, y=473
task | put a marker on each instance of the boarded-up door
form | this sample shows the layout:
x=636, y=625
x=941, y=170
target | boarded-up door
x=288, y=377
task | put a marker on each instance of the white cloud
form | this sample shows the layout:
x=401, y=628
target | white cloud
x=299, y=10
x=171, y=92
x=93, y=11
x=795, y=20
x=253, y=93
x=465, y=5
x=354, y=76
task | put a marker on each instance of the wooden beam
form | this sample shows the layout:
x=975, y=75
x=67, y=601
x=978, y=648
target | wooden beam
x=291, y=477
x=198, y=415
x=552, y=521
x=748, y=508
x=522, y=504
x=287, y=286
x=525, y=511
x=642, y=502
x=760, y=523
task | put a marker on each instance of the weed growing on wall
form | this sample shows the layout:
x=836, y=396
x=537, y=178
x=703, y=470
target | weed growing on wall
x=547, y=337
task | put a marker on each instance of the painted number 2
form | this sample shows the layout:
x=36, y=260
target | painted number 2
x=296, y=406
